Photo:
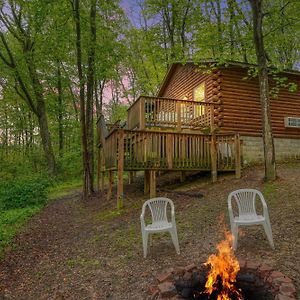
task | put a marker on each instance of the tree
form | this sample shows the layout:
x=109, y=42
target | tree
x=19, y=54
x=269, y=151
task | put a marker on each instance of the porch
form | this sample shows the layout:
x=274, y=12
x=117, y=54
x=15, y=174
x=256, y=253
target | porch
x=173, y=114
x=152, y=151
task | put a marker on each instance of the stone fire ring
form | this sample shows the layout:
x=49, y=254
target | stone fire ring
x=283, y=286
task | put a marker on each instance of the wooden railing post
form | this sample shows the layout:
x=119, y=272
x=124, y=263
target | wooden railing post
x=142, y=113
x=152, y=183
x=178, y=111
x=213, y=157
x=130, y=177
x=237, y=147
x=120, y=192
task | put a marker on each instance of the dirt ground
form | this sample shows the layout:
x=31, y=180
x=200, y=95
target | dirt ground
x=88, y=250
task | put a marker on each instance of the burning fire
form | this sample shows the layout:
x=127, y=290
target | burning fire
x=223, y=270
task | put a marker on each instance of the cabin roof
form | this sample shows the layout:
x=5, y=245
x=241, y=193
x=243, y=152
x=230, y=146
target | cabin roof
x=173, y=67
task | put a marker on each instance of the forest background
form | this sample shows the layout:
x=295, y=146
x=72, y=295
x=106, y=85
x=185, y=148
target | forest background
x=64, y=63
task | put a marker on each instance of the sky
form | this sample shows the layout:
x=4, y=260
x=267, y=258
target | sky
x=132, y=10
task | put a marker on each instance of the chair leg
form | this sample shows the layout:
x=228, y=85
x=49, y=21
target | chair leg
x=145, y=243
x=174, y=237
x=235, y=233
x=268, y=231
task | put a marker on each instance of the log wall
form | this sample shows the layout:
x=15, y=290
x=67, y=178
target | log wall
x=241, y=105
x=183, y=80
x=238, y=96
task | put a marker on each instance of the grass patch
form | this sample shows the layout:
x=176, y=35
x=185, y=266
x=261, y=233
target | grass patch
x=12, y=221
x=125, y=239
x=83, y=262
x=269, y=189
x=64, y=188
x=110, y=214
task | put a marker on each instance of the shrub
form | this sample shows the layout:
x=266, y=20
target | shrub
x=25, y=192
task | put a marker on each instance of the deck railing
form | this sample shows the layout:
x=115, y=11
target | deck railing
x=142, y=150
x=170, y=113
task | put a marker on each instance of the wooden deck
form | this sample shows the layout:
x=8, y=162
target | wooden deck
x=150, y=112
x=169, y=135
x=155, y=150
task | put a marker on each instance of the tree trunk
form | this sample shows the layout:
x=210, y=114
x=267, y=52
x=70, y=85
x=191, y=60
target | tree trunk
x=45, y=136
x=60, y=112
x=87, y=180
x=269, y=152
x=89, y=95
x=41, y=114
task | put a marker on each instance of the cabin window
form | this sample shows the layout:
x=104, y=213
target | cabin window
x=199, y=92
x=199, y=96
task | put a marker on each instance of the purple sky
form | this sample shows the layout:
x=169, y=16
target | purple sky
x=132, y=9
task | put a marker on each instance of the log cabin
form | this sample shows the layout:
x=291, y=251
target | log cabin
x=205, y=117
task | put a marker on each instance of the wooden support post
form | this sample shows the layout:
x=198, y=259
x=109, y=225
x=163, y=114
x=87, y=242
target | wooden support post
x=152, y=184
x=178, y=110
x=146, y=182
x=110, y=184
x=182, y=176
x=120, y=187
x=99, y=169
x=130, y=177
x=102, y=172
x=237, y=145
x=169, y=150
x=213, y=157
x=142, y=113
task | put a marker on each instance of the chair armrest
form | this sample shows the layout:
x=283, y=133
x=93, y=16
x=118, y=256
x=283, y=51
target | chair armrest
x=230, y=211
x=264, y=205
x=265, y=209
x=142, y=220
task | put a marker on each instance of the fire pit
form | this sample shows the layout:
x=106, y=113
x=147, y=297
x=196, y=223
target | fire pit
x=223, y=277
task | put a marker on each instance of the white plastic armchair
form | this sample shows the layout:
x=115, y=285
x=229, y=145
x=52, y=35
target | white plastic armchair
x=245, y=200
x=160, y=223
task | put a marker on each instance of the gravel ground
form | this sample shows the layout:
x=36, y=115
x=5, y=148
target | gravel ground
x=88, y=250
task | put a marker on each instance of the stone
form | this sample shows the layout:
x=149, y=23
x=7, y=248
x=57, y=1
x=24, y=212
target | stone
x=167, y=289
x=179, y=271
x=287, y=289
x=282, y=297
x=242, y=263
x=153, y=289
x=276, y=274
x=164, y=277
x=253, y=265
x=187, y=276
x=265, y=268
x=283, y=279
x=154, y=295
x=190, y=267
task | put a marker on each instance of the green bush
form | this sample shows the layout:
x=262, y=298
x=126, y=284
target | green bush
x=69, y=166
x=25, y=192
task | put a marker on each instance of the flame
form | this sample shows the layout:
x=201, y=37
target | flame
x=223, y=270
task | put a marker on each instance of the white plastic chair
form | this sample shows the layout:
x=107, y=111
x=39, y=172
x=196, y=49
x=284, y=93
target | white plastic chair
x=245, y=199
x=160, y=223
